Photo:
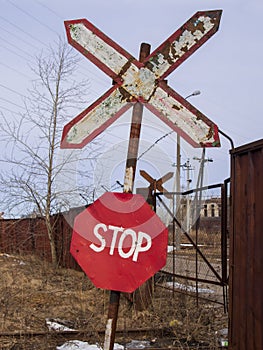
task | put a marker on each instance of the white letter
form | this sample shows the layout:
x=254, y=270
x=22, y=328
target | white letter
x=139, y=248
x=100, y=237
x=122, y=238
x=115, y=229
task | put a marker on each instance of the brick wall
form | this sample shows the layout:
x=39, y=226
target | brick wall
x=29, y=236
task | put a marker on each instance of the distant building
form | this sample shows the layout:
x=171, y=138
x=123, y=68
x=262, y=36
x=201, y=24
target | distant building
x=211, y=207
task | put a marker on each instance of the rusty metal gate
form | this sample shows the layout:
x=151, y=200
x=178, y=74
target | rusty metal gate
x=197, y=261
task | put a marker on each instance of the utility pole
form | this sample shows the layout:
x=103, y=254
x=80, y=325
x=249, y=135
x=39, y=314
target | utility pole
x=202, y=161
x=199, y=183
x=188, y=167
x=178, y=189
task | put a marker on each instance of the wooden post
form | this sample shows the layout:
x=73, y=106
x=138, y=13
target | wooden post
x=131, y=164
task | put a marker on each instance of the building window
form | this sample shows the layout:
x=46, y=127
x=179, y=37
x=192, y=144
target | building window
x=212, y=210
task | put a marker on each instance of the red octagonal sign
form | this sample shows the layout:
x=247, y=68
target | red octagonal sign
x=119, y=241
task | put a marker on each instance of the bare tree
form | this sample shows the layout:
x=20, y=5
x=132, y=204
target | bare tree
x=32, y=141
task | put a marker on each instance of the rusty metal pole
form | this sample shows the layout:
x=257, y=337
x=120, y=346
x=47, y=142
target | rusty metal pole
x=135, y=131
x=131, y=161
x=130, y=170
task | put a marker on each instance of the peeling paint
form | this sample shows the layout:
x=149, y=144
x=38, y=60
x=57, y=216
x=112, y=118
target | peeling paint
x=162, y=61
x=98, y=47
x=176, y=107
x=128, y=180
x=97, y=116
x=181, y=117
x=139, y=82
x=142, y=81
x=108, y=332
x=210, y=134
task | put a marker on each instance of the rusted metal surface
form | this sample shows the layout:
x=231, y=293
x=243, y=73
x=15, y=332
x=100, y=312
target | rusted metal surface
x=224, y=226
x=91, y=335
x=111, y=325
x=135, y=131
x=133, y=147
x=142, y=81
x=156, y=185
x=246, y=248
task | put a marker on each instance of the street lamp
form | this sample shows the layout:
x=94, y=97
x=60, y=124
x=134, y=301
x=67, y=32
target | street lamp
x=194, y=93
x=178, y=151
x=178, y=169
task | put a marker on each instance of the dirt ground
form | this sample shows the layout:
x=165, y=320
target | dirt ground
x=32, y=292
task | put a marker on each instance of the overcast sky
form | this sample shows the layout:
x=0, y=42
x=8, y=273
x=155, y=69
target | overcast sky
x=227, y=69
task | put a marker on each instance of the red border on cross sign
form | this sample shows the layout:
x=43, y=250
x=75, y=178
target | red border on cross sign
x=142, y=82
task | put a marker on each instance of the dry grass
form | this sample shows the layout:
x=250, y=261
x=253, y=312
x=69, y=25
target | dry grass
x=32, y=291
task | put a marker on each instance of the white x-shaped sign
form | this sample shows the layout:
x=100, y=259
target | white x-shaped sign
x=142, y=82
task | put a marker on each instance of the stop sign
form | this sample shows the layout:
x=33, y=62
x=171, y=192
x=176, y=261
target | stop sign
x=119, y=241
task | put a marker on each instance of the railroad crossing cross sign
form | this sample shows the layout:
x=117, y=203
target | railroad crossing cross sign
x=157, y=184
x=142, y=82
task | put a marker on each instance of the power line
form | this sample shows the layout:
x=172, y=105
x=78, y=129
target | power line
x=49, y=9
x=11, y=102
x=98, y=79
x=15, y=52
x=15, y=70
x=9, y=110
x=23, y=31
x=12, y=90
x=31, y=16
x=18, y=37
